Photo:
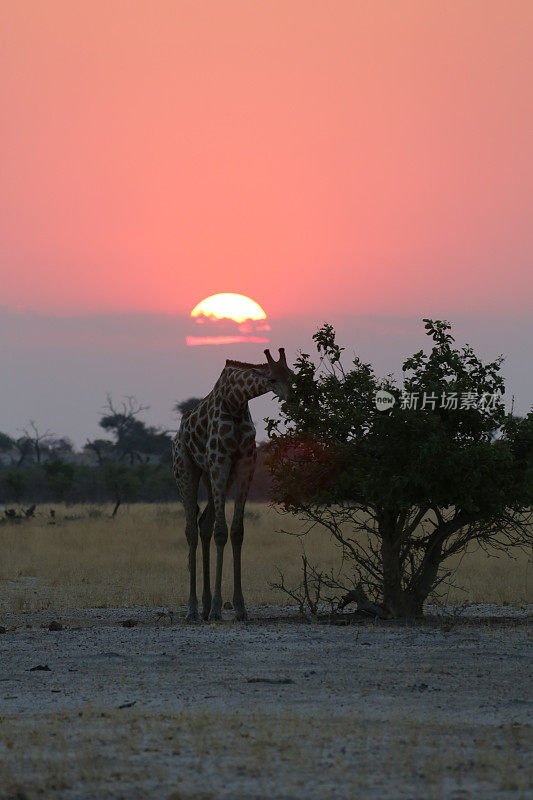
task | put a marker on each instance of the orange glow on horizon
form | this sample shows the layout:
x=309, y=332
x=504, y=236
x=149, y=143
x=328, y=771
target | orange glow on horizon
x=197, y=340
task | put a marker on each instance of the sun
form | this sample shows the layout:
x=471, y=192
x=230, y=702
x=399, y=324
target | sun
x=237, y=307
x=228, y=319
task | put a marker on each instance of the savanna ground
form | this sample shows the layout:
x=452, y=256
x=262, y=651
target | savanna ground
x=274, y=708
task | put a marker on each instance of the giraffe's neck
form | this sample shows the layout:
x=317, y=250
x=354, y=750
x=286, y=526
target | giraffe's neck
x=241, y=385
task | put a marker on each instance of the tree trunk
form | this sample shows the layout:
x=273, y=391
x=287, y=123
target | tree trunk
x=406, y=604
x=400, y=602
x=118, y=499
x=429, y=569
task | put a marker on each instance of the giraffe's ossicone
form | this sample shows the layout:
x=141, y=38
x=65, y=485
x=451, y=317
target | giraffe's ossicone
x=216, y=442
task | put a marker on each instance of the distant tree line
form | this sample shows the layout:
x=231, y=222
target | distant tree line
x=131, y=462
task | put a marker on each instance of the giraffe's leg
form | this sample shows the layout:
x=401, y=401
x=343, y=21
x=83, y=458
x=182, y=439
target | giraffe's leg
x=244, y=474
x=219, y=483
x=206, y=531
x=188, y=477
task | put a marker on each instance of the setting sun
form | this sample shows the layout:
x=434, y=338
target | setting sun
x=237, y=307
x=229, y=318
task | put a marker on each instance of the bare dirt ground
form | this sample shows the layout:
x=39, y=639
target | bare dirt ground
x=274, y=708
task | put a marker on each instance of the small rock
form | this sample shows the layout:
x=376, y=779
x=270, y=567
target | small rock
x=127, y=705
x=228, y=606
x=2, y=629
x=55, y=626
x=129, y=623
x=40, y=668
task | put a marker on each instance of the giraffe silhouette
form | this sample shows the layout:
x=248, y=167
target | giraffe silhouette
x=216, y=442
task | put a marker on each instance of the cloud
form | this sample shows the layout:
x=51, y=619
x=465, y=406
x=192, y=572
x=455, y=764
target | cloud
x=211, y=330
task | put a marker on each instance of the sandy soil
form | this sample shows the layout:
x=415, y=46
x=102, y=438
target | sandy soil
x=275, y=708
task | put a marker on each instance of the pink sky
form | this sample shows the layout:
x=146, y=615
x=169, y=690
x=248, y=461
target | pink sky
x=317, y=156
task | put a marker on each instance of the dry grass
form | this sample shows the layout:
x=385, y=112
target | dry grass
x=196, y=754
x=380, y=737
x=89, y=560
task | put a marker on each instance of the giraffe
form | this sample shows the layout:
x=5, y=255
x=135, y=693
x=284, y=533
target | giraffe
x=216, y=442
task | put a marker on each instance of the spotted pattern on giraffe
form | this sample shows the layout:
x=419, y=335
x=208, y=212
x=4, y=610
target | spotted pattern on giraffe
x=216, y=443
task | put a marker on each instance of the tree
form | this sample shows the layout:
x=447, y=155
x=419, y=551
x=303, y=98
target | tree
x=24, y=447
x=184, y=406
x=58, y=446
x=124, y=426
x=15, y=484
x=122, y=482
x=39, y=442
x=6, y=443
x=59, y=476
x=134, y=440
x=102, y=448
x=403, y=489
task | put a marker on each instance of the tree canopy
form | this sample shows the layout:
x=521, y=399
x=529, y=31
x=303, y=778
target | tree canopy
x=441, y=466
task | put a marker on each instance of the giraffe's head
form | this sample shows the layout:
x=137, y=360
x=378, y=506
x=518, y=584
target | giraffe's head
x=279, y=375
